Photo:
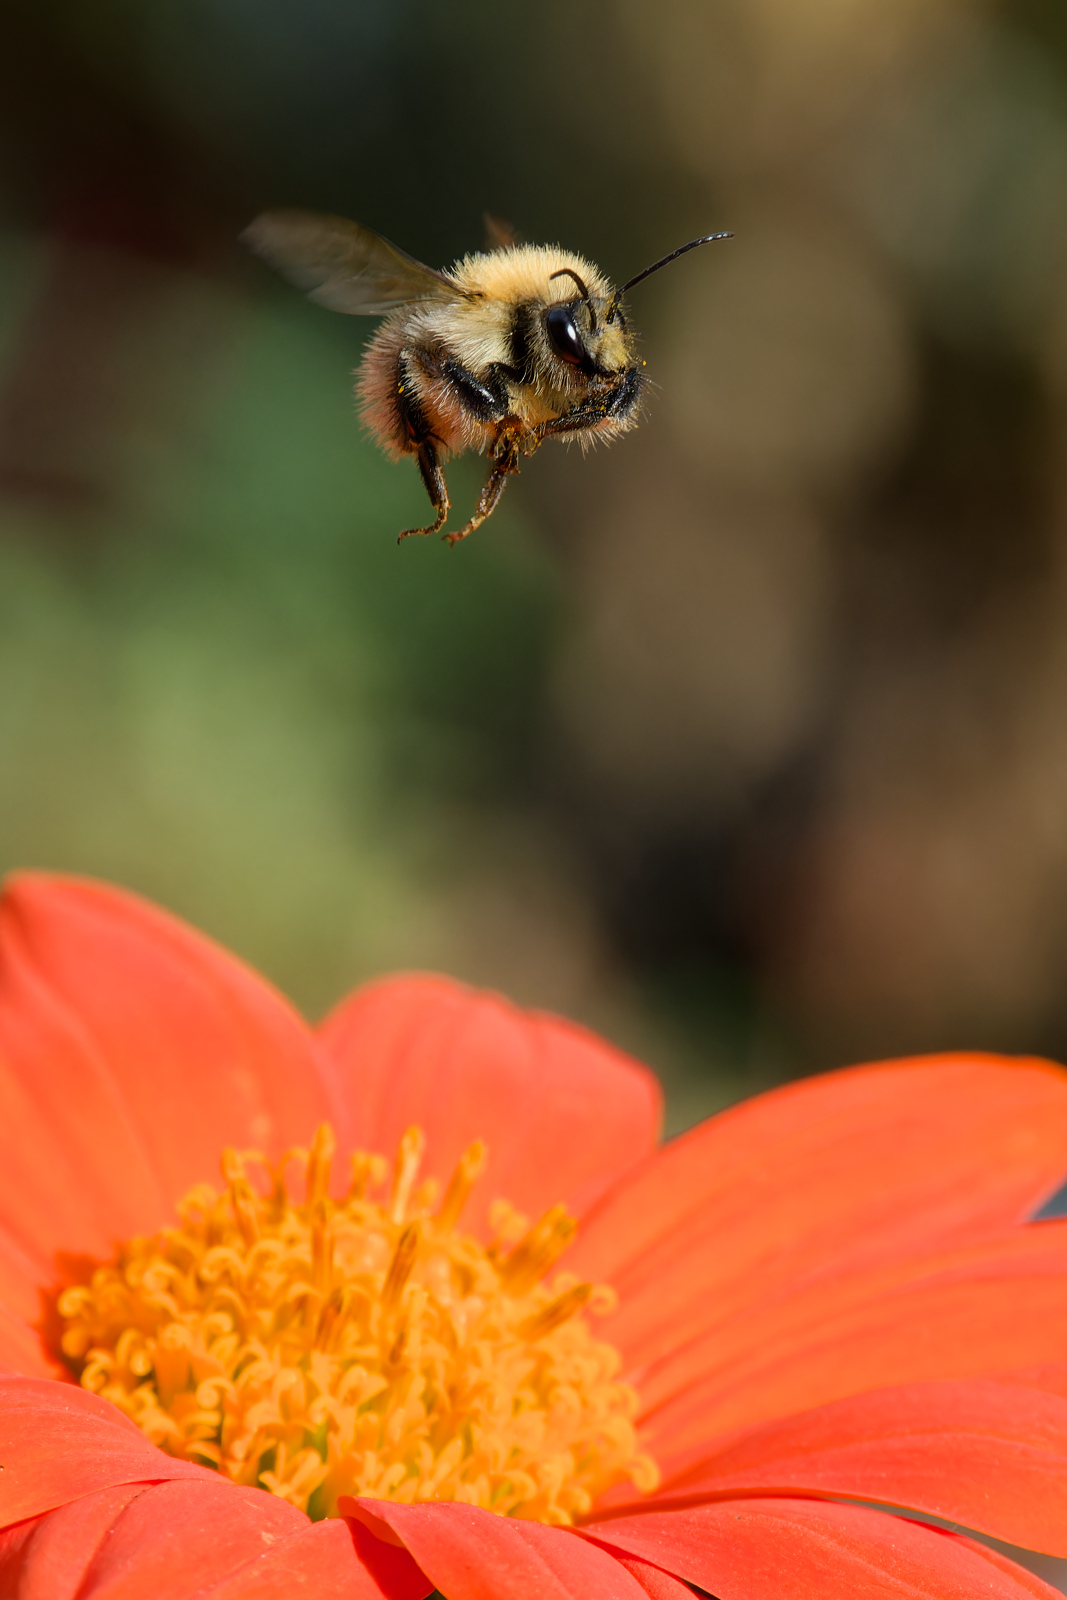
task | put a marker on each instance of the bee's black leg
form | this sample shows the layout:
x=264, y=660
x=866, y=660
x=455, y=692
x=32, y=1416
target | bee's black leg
x=417, y=431
x=509, y=443
x=436, y=488
x=616, y=404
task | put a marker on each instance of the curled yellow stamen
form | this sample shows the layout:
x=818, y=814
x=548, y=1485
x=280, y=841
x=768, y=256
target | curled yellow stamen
x=242, y=1199
x=362, y=1346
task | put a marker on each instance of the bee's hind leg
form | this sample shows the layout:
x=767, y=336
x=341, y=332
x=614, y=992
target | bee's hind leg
x=509, y=443
x=436, y=488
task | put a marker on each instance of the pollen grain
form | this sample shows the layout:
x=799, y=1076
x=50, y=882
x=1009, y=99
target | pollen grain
x=319, y=1347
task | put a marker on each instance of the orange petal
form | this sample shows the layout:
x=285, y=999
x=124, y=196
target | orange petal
x=969, y=1313
x=563, y=1114
x=22, y=1350
x=209, y=1538
x=163, y=1540
x=1051, y=1376
x=60, y=1442
x=471, y=1554
x=987, y=1455
x=324, y=1560
x=131, y=1051
x=656, y=1583
x=832, y=1174
x=808, y=1550
x=47, y=1556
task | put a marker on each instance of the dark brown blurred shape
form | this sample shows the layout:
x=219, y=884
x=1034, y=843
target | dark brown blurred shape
x=120, y=203
x=819, y=671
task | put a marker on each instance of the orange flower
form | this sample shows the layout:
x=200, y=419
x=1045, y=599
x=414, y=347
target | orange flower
x=824, y=1300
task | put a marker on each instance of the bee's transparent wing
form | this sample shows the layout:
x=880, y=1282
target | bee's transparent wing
x=342, y=265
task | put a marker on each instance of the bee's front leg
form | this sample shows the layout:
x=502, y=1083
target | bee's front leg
x=615, y=402
x=511, y=440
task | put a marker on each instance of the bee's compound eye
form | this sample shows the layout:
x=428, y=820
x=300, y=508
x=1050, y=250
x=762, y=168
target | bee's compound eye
x=563, y=334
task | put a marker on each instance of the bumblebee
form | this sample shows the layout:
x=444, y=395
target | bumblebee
x=510, y=347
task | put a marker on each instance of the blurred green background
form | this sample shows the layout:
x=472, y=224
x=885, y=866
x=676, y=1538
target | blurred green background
x=745, y=741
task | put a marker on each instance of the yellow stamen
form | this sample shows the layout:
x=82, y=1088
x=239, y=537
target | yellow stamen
x=470, y=1168
x=242, y=1199
x=400, y=1268
x=533, y=1255
x=318, y=1177
x=321, y=1247
x=405, y=1171
x=362, y=1346
x=556, y=1313
x=367, y=1173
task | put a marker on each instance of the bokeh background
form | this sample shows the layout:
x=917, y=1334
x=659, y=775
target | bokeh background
x=744, y=741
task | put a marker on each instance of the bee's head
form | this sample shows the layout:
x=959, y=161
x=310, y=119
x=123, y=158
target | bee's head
x=589, y=334
x=582, y=336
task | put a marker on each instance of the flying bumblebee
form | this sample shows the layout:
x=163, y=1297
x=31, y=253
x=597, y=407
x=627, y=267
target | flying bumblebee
x=508, y=348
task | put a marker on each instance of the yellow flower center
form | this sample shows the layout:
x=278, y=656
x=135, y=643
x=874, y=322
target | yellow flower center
x=362, y=1346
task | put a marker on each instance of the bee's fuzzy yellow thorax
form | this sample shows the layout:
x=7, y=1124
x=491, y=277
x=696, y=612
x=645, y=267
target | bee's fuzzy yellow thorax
x=524, y=272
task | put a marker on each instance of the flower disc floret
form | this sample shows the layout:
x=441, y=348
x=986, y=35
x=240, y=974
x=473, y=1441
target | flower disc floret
x=321, y=1347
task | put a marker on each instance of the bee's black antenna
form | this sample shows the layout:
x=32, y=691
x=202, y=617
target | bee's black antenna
x=568, y=272
x=613, y=304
